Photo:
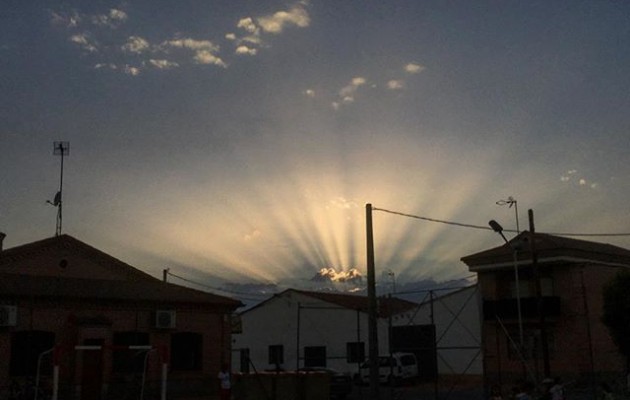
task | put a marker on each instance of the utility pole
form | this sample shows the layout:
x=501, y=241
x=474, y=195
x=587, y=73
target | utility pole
x=372, y=307
x=539, y=298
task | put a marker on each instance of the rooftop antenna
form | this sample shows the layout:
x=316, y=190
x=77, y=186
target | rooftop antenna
x=59, y=149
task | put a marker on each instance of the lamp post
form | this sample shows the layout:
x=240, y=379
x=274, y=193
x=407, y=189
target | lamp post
x=499, y=229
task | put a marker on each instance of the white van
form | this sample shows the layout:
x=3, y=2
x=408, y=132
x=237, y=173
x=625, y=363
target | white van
x=392, y=370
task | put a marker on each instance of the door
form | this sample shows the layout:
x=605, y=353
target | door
x=92, y=372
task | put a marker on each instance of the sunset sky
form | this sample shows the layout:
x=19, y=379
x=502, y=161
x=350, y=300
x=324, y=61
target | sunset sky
x=239, y=141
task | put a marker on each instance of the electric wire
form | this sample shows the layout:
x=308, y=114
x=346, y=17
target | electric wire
x=241, y=295
x=463, y=225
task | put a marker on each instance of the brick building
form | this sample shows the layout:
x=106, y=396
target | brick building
x=61, y=293
x=572, y=274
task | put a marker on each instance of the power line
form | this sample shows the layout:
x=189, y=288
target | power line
x=241, y=294
x=488, y=228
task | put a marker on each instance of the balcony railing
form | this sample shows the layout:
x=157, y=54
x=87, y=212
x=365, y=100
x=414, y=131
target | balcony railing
x=507, y=308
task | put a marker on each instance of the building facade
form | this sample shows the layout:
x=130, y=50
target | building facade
x=110, y=330
x=549, y=323
x=296, y=329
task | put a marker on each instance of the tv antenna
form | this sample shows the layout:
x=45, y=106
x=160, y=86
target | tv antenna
x=61, y=149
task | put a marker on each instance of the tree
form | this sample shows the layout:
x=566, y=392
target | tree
x=617, y=310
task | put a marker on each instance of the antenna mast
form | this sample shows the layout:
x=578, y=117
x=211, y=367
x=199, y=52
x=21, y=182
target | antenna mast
x=61, y=149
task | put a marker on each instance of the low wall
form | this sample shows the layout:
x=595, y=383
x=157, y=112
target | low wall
x=281, y=386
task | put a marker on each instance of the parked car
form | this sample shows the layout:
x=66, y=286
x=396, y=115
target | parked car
x=340, y=383
x=392, y=369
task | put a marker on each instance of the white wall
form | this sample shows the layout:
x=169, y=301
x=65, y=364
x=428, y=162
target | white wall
x=276, y=321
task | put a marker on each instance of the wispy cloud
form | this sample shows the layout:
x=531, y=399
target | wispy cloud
x=571, y=176
x=414, y=68
x=171, y=53
x=163, y=64
x=69, y=20
x=395, y=84
x=246, y=50
x=309, y=93
x=84, y=41
x=346, y=94
x=277, y=22
x=112, y=19
x=205, y=52
x=136, y=44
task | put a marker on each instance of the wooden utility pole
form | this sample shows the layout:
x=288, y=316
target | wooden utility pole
x=372, y=307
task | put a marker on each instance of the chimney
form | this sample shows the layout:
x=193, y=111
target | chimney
x=2, y=236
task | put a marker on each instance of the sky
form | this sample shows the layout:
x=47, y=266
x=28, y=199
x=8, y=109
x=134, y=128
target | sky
x=238, y=142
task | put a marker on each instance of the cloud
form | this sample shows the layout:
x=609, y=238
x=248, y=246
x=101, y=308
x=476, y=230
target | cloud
x=248, y=25
x=245, y=50
x=113, y=19
x=347, y=93
x=163, y=64
x=130, y=70
x=309, y=93
x=136, y=44
x=414, y=68
x=332, y=275
x=69, y=21
x=192, y=44
x=230, y=36
x=205, y=51
x=275, y=23
x=84, y=42
x=206, y=57
x=395, y=84
x=106, y=65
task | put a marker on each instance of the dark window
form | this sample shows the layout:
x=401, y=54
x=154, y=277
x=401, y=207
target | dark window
x=244, y=353
x=126, y=360
x=315, y=356
x=26, y=346
x=532, y=344
x=355, y=352
x=186, y=351
x=276, y=354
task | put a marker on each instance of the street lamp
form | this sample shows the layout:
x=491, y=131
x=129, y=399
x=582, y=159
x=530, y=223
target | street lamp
x=499, y=229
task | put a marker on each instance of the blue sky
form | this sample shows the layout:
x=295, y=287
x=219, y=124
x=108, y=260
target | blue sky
x=240, y=140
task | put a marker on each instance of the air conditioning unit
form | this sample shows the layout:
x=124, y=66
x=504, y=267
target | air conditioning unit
x=8, y=315
x=165, y=319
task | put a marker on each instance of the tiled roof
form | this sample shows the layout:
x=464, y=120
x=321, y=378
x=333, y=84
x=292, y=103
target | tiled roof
x=48, y=251
x=22, y=274
x=151, y=290
x=549, y=248
x=386, y=306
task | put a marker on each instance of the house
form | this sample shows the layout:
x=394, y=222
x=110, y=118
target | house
x=297, y=328
x=106, y=328
x=559, y=331
x=445, y=331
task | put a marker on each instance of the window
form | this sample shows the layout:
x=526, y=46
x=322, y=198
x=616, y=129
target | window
x=276, y=354
x=26, y=346
x=355, y=352
x=186, y=351
x=315, y=356
x=129, y=361
x=244, y=358
x=532, y=344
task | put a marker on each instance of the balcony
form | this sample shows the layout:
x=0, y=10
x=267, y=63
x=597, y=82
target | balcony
x=507, y=308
